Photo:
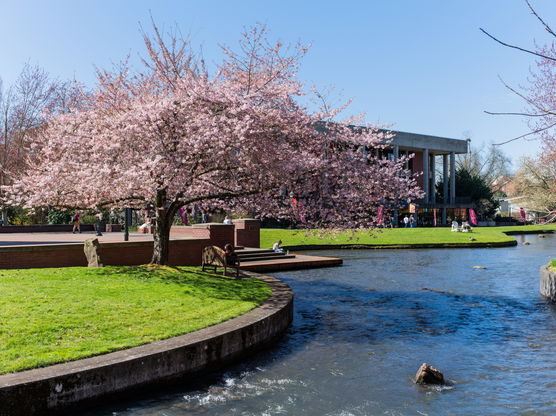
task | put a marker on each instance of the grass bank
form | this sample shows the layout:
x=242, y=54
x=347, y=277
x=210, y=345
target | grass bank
x=50, y=316
x=399, y=236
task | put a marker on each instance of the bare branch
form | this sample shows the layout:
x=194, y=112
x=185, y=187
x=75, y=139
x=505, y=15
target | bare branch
x=548, y=28
x=513, y=114
x=547, y=112
x=526, y=134
x=517, y=47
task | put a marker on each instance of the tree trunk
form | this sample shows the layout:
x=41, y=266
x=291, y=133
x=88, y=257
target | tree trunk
x=163, y=222
x=4, y=216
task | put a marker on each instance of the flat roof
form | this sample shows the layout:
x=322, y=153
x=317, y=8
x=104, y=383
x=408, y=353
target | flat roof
x=414, y=142
x=435, y=144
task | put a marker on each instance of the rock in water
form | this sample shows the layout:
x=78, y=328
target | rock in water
x=427, y=374
x=93, y=253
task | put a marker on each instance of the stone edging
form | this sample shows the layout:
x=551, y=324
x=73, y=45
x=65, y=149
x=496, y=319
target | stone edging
x=402, y=246
x=60, y=386
x=430, y=245
x=548, y=283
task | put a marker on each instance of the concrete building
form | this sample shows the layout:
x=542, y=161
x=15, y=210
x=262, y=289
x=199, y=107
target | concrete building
x=435, y=159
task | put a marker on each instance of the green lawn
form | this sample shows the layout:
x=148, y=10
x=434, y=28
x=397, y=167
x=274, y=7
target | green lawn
x=50, y=316
x=396, y=236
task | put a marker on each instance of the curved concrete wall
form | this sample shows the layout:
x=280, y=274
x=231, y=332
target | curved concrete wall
x=548, y=283
x=61, y=386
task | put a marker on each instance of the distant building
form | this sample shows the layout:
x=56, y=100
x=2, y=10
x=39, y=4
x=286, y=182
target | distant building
x=431, y=154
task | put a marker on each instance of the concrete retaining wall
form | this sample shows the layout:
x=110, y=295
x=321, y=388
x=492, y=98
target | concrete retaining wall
x=548, y=283
x=63, y=386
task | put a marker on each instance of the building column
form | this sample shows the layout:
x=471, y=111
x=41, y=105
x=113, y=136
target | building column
x=433, y=179
x=445, y=181
x=452, y=178
x=426, y=175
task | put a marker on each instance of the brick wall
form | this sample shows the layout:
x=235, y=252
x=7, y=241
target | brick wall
x=248, y=232
x=182, y=253
x=218, y=233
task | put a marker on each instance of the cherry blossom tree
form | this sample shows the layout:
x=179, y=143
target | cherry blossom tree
x=173, y=134
x=540, y=95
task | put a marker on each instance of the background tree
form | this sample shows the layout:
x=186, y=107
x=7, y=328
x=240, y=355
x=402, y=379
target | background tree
x=172, y=134
x=22, y=115
x=534, y=181
x=487, y=162
x=474, y=186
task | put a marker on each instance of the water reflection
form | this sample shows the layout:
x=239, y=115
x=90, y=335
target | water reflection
x=361, y=331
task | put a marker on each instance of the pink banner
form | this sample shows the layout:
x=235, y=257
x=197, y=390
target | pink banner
x=434, y=216
x=522, y=215
x=380, y=215
x=472, y=216
x=183, y=215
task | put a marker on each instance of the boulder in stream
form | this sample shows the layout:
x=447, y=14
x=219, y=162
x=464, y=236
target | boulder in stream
x=427, y=374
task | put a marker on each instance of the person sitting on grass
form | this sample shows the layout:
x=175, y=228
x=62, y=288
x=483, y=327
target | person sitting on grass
x=276, y=247
x=465, y=227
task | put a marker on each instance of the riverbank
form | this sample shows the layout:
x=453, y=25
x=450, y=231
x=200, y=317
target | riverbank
x=401, y=238
x=57, y=315
x=74, y=385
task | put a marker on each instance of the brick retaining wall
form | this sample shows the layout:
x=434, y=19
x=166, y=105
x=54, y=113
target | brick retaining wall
x=248, y=232
x=182, y=253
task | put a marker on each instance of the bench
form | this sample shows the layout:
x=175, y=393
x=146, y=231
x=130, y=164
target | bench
x=216, y=257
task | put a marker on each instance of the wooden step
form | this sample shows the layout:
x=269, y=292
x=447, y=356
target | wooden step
x=266, y=258
x=258, y=254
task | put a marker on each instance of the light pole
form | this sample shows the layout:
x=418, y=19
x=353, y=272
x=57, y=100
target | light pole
x=127, y=223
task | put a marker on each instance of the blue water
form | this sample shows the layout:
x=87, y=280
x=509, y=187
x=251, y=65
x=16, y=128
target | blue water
x=361, y=331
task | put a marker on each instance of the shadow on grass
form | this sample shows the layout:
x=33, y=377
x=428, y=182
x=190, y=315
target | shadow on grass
x=195, y=282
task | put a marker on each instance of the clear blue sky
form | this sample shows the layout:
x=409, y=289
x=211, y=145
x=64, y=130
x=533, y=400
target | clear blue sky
x=422, y=66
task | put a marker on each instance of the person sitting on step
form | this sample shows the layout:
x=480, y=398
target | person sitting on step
x=276, y=247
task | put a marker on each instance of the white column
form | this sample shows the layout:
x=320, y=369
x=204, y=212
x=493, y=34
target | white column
x=452, y=178
x=426, y=175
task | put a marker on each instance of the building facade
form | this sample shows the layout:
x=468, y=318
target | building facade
x=435, y=161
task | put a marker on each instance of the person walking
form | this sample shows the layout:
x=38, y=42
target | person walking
x=75, y=221
x=412, y=222
x=406, y=221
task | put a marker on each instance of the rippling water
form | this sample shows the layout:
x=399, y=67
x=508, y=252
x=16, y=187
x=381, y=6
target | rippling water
x=361, y=331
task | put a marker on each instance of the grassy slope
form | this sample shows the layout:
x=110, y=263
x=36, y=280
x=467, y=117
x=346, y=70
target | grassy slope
x=395, y=236
x=49, y=316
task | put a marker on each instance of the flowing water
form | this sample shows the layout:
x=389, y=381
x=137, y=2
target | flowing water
x=361, y=331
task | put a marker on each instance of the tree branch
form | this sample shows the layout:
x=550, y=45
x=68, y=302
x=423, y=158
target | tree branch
x=513, y=114
x=517, y=47
x=548, y=28
x=526, y=134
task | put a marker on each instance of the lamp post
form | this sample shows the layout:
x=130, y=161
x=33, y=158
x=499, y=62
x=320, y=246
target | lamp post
x=127, y=221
